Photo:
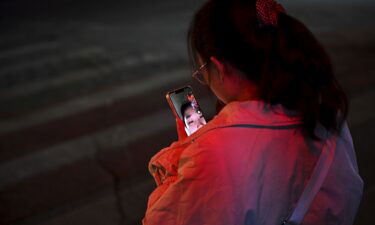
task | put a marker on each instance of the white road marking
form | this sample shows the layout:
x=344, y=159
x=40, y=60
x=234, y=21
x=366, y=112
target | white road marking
x=89, y=102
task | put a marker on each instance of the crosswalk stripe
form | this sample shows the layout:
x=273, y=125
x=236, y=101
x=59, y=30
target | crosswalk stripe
x=55, y=59
x=69, y=151
x=29, y=49
x=82, y=74
x=89, y=102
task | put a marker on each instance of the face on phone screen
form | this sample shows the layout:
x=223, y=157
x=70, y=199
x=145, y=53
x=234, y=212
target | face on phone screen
x=188, y=110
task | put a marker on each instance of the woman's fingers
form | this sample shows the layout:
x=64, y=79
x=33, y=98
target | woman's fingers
x=180, y=129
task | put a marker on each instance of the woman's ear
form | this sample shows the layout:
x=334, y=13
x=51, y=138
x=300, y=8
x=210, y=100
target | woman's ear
x=219, y=67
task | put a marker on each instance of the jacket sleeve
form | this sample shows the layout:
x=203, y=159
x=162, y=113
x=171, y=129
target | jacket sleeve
x=201, y=193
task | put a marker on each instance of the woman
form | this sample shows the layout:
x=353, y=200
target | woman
x=192, y=116
x=283, y=106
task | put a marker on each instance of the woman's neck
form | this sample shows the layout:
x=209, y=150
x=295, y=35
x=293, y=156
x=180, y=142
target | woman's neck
x=243, y=90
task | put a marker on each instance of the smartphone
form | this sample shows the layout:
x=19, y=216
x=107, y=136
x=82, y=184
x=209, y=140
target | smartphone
x=185, y=106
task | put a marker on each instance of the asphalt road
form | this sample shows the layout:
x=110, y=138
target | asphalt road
x=82, y=105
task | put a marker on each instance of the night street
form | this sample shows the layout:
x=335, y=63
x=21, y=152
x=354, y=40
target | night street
x=83, y=109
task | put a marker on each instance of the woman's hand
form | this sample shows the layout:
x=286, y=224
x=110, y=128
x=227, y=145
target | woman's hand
x=180, y=129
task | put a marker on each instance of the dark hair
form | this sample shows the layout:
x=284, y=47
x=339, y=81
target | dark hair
x=286, y=62
x=183, y=108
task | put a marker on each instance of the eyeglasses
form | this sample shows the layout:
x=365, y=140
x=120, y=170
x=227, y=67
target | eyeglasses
x=197, y=74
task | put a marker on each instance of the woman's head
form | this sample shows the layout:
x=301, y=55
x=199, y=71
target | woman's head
x=284, y=62
x=192, y=117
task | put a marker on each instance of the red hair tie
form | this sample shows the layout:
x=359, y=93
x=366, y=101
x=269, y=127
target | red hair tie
x=267, y=12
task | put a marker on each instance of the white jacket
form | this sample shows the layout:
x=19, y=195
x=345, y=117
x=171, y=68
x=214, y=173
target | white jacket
x=238, y=176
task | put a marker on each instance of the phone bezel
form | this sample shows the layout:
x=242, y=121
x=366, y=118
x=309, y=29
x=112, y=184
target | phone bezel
x=169, y=99
x=176, y=91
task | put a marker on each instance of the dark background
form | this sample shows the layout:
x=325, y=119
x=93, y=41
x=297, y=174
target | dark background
x=82, y=105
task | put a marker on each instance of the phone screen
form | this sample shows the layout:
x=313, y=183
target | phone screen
x=185, y=106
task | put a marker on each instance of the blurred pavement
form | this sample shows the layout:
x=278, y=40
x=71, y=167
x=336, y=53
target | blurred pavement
x=82, y=106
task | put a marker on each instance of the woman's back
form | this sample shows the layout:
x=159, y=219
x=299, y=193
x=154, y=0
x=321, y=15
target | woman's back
x=255, y=175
